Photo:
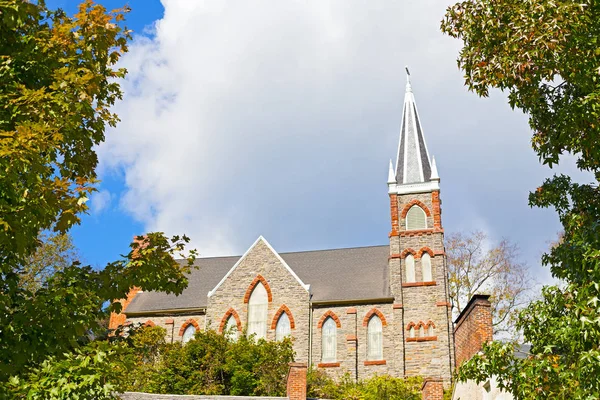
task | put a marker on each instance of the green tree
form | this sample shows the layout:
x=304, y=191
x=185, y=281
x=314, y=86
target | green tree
x=546, y=54
x=58, y=81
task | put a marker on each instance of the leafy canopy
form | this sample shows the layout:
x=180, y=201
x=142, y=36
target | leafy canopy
x=546, y=54
x=58, y=81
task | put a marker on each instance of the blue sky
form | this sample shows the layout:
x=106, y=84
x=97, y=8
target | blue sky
x=279, y=118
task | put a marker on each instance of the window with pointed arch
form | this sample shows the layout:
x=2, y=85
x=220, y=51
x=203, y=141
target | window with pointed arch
x=231, y=329
x=258, y=305
x=426, y=267
x=189, y=333
x=409, y=265
x=416, y=218
x=329, y=341
x=283, y=327
x=375, y=339
x=411, y=332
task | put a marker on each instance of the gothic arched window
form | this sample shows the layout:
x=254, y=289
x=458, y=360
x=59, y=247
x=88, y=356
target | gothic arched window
x=409, y=264
x=329, y=341
x=416, y=218
x=426, y=267
x=375, y=339
x=231, y=329
x=258, y=305
x=188, y=334
x=283, y=327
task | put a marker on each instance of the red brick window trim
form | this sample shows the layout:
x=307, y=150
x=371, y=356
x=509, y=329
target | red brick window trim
x=422, y=339
x=188, y=323
x=375, y=362
x=328, y=365
x=415, y=284
x=328, y=314
x=230, y=313
x=372, y=312
x=261, y=279
x=283, y=309
x=425, y=250
x=149, y=323
x=413, y=203
x=408, y=251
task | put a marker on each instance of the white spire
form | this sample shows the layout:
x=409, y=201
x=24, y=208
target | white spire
x=391, y=174
x=408, y=87
x=434, y=172
x=412, y=163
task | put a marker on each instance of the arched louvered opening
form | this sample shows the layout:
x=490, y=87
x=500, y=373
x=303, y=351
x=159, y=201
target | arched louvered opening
x=416, y=218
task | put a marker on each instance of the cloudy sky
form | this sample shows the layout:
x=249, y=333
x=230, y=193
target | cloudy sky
x=279, y=118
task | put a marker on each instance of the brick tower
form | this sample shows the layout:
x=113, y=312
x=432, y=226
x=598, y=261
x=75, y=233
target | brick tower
x=417, y=262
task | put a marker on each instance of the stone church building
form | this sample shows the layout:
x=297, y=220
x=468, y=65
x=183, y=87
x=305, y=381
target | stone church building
x=365, y=311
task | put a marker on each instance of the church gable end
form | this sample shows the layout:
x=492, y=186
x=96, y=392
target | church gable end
x=280, y=287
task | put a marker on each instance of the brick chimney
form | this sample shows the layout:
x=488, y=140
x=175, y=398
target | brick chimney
x=432, y=389
x=473, y=328
x=296, y=382
x=117, y=320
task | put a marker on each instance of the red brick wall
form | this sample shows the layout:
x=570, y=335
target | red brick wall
x=432, y=389
x=296, y=383
x=119, y=319
x=473, y=328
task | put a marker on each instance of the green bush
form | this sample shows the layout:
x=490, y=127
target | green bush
x=379, y=387
x=209, y=364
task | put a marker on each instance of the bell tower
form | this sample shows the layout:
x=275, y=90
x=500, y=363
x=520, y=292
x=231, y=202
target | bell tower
x=417, y=261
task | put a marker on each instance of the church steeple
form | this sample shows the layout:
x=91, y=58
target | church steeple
x=413, y=164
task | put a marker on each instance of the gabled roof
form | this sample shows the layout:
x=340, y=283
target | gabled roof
x=337, y=275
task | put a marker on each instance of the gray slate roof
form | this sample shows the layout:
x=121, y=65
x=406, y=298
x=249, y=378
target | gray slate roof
x=359, y=273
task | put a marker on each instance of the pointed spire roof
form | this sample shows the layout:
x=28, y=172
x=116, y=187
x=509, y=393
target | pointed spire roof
x=412, y=164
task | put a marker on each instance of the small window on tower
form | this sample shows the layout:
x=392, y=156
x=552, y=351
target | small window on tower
x=409, y=265
x=416, y=218
x=426, y=267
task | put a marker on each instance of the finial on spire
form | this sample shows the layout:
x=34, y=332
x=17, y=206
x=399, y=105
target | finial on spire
x=408, y=87
x=391, y=173
x=434, y=171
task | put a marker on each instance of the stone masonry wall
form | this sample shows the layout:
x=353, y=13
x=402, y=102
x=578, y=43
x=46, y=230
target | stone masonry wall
x=352, y=341
x=422, y=303
x=172, y=323
x=284, y=288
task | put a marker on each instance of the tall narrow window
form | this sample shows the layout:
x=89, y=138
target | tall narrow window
x=431, y=330
x=257, y=311
x=411, y=332
x=231, y=329
x=426, y=267
x=409, y=264
x=416, y=218
x=283, y=327
x=188, y=334
x=329, y=341
x=374, y=339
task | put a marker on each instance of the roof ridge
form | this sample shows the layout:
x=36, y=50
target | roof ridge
x=299, y=251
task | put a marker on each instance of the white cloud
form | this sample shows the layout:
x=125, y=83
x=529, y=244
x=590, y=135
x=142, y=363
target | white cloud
x=278, y=118
x=100, y=201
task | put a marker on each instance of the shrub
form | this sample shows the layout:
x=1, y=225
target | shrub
x=379, y=387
